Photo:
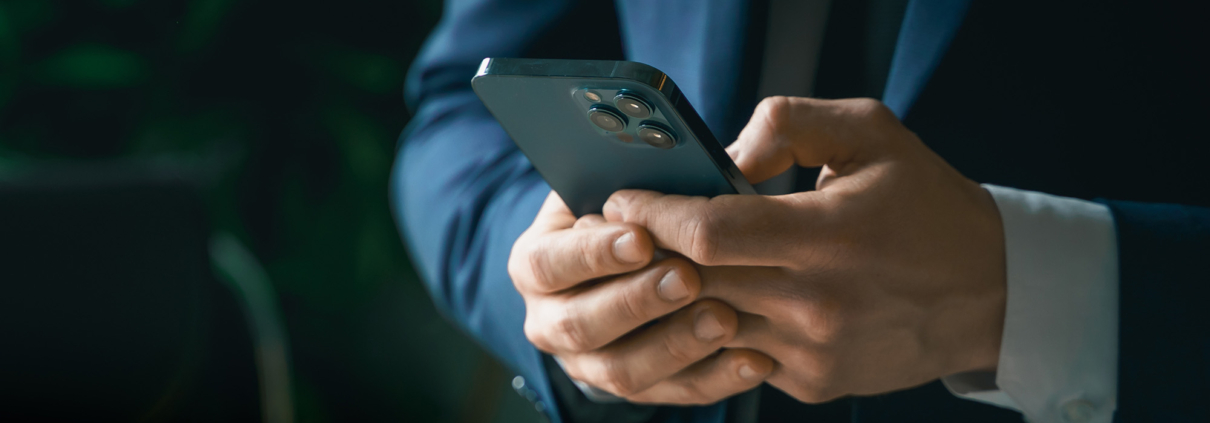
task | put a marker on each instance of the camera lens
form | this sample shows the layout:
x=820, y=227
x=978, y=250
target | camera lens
x=606, y=119
x=633, y=106
x=656, y=136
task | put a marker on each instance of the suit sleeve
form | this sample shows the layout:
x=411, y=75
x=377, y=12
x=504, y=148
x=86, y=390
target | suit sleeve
x=1164, y=358
x=461, y=191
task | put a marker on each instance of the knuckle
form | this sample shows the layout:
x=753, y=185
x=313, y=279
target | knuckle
x=632, y=306
x=775, y=111
x=520, y=261
x=824, y=330
x=591, y=259
x=702, y=233
x=822, y=321
x=799, y=314
x=871, y=108
x=774, y=107
x=677, y=350
x=537, y=268
x=616, y=379
x=832, y=320
x=616, y=205
x=536, y=334
x=569, y=330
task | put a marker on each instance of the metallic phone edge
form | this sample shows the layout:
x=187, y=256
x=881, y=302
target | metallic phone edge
x=631, y=71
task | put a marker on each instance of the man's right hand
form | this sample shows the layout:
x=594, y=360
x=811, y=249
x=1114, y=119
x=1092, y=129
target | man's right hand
x=590, y=289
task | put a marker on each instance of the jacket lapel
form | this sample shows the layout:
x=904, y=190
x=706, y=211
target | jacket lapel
x=703, y=44
x=928, y=26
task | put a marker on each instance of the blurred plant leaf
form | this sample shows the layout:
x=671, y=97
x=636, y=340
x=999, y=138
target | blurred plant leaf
x=201, y=23
x=360, y=138
x=93, y=66
x=189, y=131
x=373, y=73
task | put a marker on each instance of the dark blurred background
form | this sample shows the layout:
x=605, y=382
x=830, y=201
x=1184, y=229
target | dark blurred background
x=287, y=112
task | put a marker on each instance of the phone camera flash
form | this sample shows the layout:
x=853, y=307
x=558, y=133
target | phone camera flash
x=591, y=96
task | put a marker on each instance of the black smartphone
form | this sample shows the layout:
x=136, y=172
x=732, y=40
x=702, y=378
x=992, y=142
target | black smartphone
x=592, y=127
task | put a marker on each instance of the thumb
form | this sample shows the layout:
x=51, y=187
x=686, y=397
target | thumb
x=785, y=131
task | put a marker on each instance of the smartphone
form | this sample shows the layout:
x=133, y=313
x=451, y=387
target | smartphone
x=592, y=127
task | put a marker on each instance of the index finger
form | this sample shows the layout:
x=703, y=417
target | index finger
x=730, y=230
x=808, y=132
x=555, y=254
x=558, y=260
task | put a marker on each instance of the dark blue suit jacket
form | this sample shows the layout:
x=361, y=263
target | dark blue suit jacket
x=1090, y=102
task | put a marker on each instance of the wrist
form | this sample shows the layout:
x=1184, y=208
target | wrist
x=975, y=345
x=977, y=318
x=987, y=350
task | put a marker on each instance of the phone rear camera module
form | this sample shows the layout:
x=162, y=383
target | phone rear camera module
x=606, y=119
x=656, y=136
x=633, y=106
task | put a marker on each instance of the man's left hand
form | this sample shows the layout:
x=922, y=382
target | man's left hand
x=890, y=275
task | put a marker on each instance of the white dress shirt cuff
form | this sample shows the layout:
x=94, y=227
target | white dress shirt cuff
x=1059, y=350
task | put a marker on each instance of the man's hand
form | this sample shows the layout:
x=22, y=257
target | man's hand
x=888, y=276
x=590, y=290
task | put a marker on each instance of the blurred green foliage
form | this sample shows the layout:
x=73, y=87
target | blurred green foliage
x=292, y=108
x=92, y=66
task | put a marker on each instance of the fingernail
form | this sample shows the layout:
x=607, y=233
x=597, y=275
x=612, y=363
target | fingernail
x=626, y=249
x=672, y=288
x=706, y=326
x=747, y=372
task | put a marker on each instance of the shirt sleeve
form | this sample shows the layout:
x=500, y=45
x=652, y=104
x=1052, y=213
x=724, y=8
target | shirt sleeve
x=1059, y=350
